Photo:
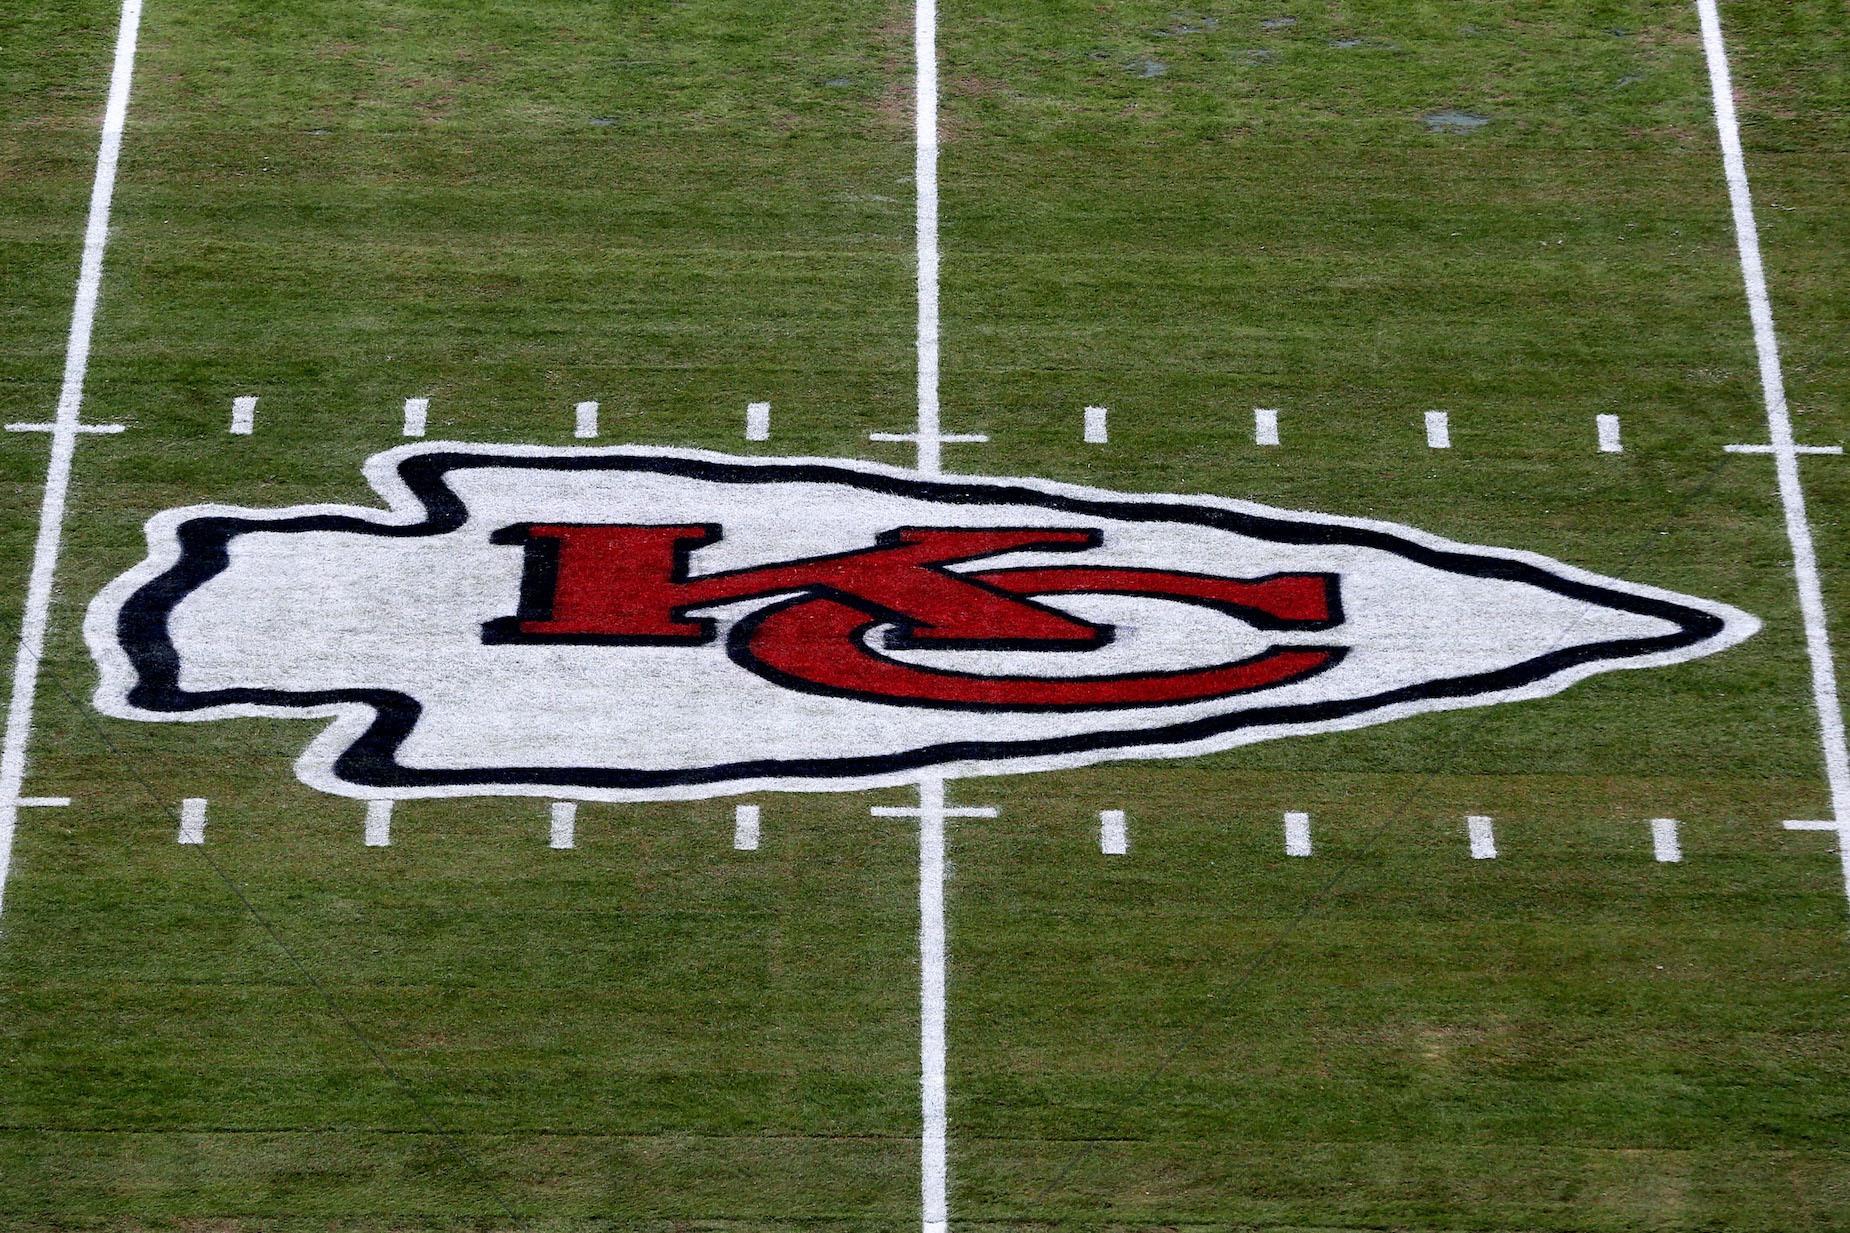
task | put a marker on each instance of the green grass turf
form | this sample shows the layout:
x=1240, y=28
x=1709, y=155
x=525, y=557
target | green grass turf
x=338, y=206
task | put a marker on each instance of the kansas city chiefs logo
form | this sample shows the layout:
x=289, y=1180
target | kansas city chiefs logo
x=633, y=624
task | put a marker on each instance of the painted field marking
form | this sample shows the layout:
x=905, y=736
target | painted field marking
x=1781, y=443
x=745, y=828
x=244, y=415
x=1265, y=425
x=43, y=802
x=1096, y=432
x=379, y=824
x=1297, y=834
x=417, y=411
x=585, y=415
x=757, y=421
x=192, y=820
x=65, y=430
x=564, y=831
x=1772, y=449
x=1483, y=838
x=1113, y=838
x=56, y=428
x=929, y=436
x=1438, y=430
x=1608, y=426
x=1664, y=843
x=934, y=1172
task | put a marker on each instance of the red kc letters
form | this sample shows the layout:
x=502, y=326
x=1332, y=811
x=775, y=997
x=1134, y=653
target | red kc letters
x=619, y=585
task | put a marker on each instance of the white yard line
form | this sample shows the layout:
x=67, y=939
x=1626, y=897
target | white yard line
x=1608, y=428
x=746, y=824
x=64, y=433
x=757, y=421
x=193, y=820
x=1664, y=845
x=562, y=834
x=1483, y=835
x=244, y=415
x=1297, y=834
x=934, y=959
x=1097, y=429
x=1265, y=425
x=928, y=436
x=1113, y=835
x=417, y=414
x=584, y=421
x=1784, y=449
x=1438, y=430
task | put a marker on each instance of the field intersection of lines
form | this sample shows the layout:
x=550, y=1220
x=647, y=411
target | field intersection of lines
x=1552, y=965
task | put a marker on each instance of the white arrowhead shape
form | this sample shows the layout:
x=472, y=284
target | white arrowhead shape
x=374, y=619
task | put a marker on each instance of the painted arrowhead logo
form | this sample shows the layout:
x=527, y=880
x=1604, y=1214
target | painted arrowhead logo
x=646, y=624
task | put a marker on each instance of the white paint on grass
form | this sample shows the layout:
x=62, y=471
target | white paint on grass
x=379, y=824
x=1664, y=843
x=564, y=832
x=1113, y=838
x=758, y=421
x=1608, y=426
x=79, y=428
x=417, y=412
x=1483, y=838
x=933, y=959
x=43, y=802
x=745, y=828
x=1265, y=425
x=1297, y=834
x=928, y=437
x=585, y=426
x=244, y=415
x=1768, y=449
x=1781, y=444
x=64, y=433
x=1096, y=431
x=193, y=820
x=1438, y=430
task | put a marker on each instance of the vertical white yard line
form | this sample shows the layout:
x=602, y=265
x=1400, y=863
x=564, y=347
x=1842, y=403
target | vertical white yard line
x=584, y=425
x=563, y=833
x=1779, y=433
x=244, y=415
x=1097, y=431
x=757, y=421
x=1483, y=838
x=379, y=824
x=1113, y=835
x=934, y=1166
x=1438, y=430
x=193, y=820
x=1608, y=429
x=925, y=180
x=1297, y=834
x=745, y=827
x=64, y=434
x=1664, y=845
x=1265, y=425
x=417, y=412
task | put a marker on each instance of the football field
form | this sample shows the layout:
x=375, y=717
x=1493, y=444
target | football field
x=714, y=615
